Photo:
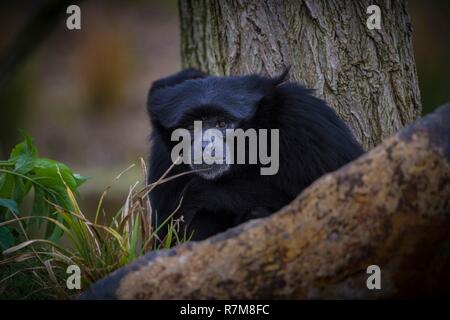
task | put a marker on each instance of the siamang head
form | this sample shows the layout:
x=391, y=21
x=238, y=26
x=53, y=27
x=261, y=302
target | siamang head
x=191, y=98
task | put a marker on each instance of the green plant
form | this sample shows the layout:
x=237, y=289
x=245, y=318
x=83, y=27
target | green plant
x=23, y=173
x=97, y=247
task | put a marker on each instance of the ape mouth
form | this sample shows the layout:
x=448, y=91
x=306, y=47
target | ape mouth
x=209, y=171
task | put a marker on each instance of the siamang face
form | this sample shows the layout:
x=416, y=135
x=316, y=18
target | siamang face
x=209, y=109
x=208, y=127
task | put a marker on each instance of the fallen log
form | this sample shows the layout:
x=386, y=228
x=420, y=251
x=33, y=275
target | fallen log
x=389, y=208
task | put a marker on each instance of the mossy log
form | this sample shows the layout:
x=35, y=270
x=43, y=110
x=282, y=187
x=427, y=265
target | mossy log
x=390, y=208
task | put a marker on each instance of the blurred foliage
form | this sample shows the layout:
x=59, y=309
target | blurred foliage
x=14, y=102
x=22, y=173
x=104, y=68
x=97, y=246
x=431, y=27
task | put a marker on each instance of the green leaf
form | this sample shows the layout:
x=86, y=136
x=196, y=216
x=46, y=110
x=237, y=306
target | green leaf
x=51, y=181
x=26, y=146
x=24, y=154
x=6, y=239
x=79, y=179
x=10, y=204
x=6, y=185
x=40, y=206
x=47, y=170
x=134, y=238
x=54, y=233
x=20, y=190
x=168, y=241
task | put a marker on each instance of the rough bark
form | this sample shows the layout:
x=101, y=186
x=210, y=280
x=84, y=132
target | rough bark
x=391, y=207
x=367, y=76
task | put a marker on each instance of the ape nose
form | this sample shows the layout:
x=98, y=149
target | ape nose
x=208, y=141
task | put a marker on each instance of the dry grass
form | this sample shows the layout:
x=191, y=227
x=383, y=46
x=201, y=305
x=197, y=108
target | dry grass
x=97, y=247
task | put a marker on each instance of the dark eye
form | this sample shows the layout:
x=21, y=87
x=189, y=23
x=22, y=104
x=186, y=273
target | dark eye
x=221, y=124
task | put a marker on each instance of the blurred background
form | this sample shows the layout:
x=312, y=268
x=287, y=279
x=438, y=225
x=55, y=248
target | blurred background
x=82, y=94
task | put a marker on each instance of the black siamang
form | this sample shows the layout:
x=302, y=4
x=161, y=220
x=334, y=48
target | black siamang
x=213, y=198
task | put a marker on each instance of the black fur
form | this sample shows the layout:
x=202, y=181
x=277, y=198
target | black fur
x=313, y=141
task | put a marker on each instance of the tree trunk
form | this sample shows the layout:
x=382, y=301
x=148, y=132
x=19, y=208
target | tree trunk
x=367, y=76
